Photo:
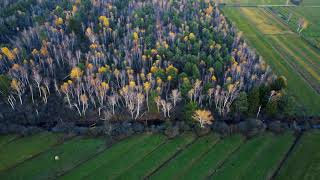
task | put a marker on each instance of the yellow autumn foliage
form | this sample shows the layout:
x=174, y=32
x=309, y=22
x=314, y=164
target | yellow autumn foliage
x=64, y=87
x=15, y=85
x=76, y=73
x=146, y=86
x=159, y=81
x=192, y=37
x=213, y=78
x=35, y=52
x=44, y=51
x=6, y=51
x=154, y=69
x=132, y=84
x=102, y=70
x=203, y=117
x=135, y=36
x=74, y=8
x=58, y=21
x=105, y=85
x=105, y=21
x=209, y=10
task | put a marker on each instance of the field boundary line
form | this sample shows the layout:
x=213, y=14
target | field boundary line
x=256, y=155
x=285, y=60
x=139, y=160
x=303, y=52
x=220, y=164
x=78, y=164
x=286, y=156
x=91, y=157
x=298, y=73
x=302, y=37
x=58, y=143
x=102, y=164
x=280, y=67
x=12, y=140
x=197, y=159
x=170, y=158
x=301, y=71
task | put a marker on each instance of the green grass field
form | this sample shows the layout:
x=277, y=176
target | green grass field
x=105, y=157
x=286, y=53
x=21, y=149
x=210, y=161
x=184, y=157
x=237, y=164
x=256, y=159
x=291, y=16
x=118, y=165
x=304, y=162
x=269, y=158
x=6, y=139
x=71, y=153
x=155, y=159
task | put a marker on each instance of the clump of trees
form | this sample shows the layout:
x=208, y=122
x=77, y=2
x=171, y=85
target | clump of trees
x=138, y=57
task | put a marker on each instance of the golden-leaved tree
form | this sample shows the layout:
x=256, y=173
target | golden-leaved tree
x=204, y=117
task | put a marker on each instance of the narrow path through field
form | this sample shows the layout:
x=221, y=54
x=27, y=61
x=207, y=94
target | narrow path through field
x=115, y=167
x=165, y=163
x=304, y=160
x=192, y=163
x=306, y=71
x=156, y=158
x=296, y=141
x=309, y=72
x=221, y=164
x=90, y=158
x=237, y=164
x=45, y=166
x=4, y=140
x=23, y=149
x=210, y=161
x=185, y=158
x=116, y=151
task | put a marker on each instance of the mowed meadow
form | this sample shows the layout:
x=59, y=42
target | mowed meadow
x=286, y=51
x=154, y=156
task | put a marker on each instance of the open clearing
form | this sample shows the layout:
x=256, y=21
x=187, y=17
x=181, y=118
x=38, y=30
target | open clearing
x=291, y=16
x=283, y=49
x=156, y=157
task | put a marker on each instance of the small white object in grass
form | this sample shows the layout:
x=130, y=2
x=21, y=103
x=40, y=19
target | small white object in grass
x=56, y=158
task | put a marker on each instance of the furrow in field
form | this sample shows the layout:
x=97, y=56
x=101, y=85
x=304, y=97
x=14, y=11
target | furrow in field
x=302, y=61
x=210, y=161
x=114, y=168
x=5, y=139
x=25, y=148
x=296, y=83
x=185, y=158
x=269, y=158
x=302, y=49
x=45, y=166
x=294, y=41
x=304, y=161
x=308, y=72
x=106, y=156
x=154, y=160
x=236, y=165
